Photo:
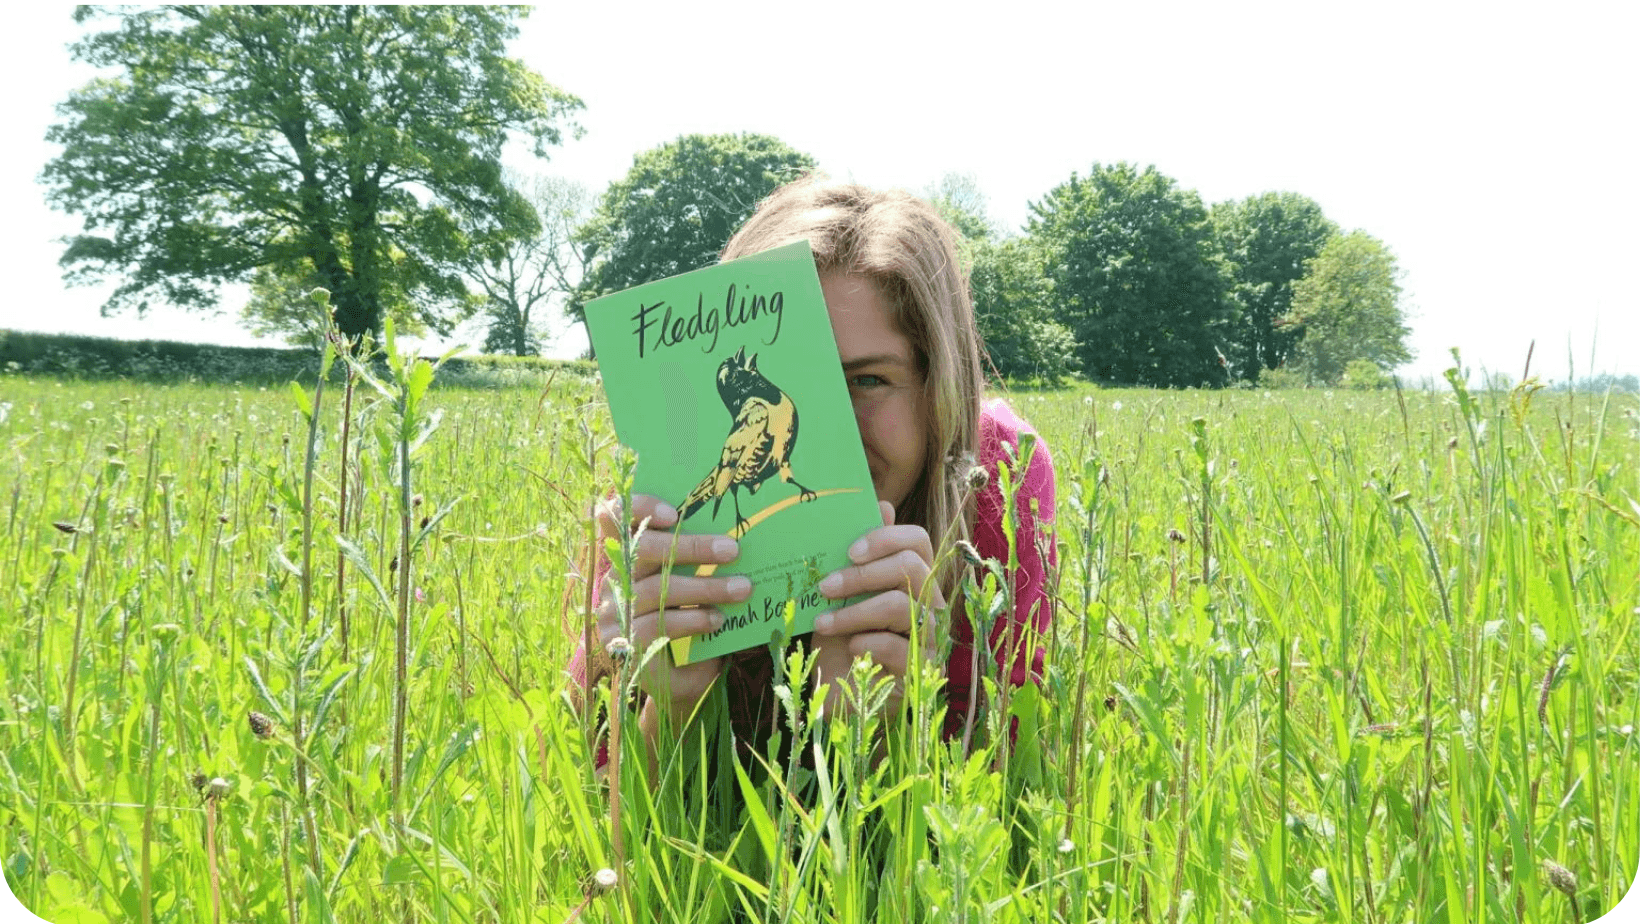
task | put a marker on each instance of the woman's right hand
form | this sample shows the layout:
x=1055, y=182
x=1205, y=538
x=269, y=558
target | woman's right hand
x=691, y=604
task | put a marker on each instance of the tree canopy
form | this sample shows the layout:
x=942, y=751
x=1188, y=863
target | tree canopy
x=1137, y=278
x=357, y=145
x=1014, y=311
x=1266, y=242
x=677, y=207
x=1348, y=307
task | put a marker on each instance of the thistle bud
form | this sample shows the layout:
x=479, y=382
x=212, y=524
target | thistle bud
x=261, y=725
x=1561, y=878
x=978, y=477
x=1174, y=535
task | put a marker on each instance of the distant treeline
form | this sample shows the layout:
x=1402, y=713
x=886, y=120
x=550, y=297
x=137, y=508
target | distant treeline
x=79, y=357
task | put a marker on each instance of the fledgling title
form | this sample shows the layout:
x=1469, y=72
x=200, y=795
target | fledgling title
x=658, y=326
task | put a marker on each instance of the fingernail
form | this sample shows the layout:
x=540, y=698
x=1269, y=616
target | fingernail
x=725, y=549
x=665, y=514
x=716, y=621
x=822, y=624
x=831, y=584
x=739, y=586
x=856, y=551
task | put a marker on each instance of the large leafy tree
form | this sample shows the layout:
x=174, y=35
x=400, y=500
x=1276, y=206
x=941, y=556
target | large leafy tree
x=1266, y=240
x=356, y=145
x=1013, y=309
x=1348, y=307
x=1137, y=277
x=677, y=207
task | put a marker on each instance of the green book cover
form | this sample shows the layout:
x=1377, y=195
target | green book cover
x=726, y=383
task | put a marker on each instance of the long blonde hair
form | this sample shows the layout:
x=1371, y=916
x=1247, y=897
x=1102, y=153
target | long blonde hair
x=899, y=242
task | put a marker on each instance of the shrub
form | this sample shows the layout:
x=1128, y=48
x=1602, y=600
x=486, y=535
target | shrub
x=1365, y=374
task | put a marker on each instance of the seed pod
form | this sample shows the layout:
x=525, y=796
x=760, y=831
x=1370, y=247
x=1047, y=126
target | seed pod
x=969, y=553
x=1174, y=535
x=261, y=725
x=198, y=780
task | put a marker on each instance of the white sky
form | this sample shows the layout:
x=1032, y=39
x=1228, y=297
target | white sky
x=1491, y=146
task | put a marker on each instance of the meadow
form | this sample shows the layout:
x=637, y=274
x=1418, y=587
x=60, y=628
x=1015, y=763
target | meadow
x=1318, y=656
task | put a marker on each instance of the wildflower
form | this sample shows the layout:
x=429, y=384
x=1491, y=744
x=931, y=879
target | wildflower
x=619, y=647
x=604, y=879
x=1067, y=845
x=261, y=725
x=421, y=595
x=1116, y=405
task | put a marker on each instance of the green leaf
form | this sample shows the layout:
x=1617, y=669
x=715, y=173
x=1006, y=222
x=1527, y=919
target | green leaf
x=304, y=402
x=274, y=705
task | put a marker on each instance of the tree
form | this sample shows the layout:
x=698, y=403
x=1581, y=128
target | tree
x=1348, y=307
x=1266, y=241
x=677, y=207
x=523, y=274
x=358, y=145
x=1137, y=277
x=1013, y=309
x=959, y=200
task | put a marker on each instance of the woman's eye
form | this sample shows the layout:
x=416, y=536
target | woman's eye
x=866, y=381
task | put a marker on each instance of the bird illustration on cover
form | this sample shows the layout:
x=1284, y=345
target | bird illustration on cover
x=759, y=443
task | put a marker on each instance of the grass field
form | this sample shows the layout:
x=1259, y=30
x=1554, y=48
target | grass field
x=1319, y=657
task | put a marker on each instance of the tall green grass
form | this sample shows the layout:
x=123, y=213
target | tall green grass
x=1318, y=657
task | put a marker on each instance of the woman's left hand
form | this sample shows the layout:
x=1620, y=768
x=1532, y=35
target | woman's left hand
x=894, y=564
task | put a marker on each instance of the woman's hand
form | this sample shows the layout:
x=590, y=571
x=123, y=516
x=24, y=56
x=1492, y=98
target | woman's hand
x=690, y=607
x=894, y=564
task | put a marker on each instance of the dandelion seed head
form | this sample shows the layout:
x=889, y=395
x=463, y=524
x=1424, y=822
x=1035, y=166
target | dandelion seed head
x=619, y=647
x=1067, y=845
x=216, y=789
x=605, y=879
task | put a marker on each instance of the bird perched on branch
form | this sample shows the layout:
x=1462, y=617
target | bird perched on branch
x=759, y=443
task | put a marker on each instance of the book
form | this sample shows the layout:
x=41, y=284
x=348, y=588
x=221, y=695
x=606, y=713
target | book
x=726, y=383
